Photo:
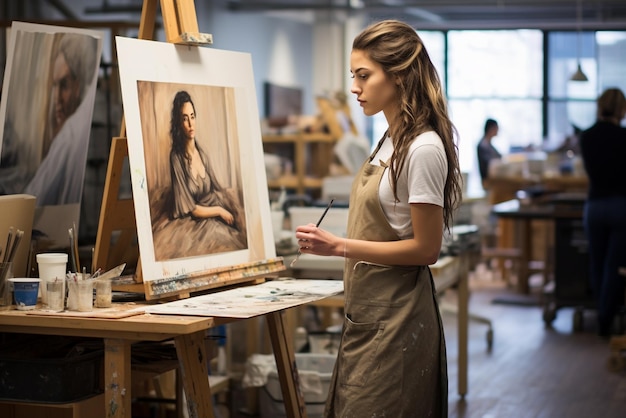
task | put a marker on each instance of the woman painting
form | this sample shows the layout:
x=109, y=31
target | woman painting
x=392, y=355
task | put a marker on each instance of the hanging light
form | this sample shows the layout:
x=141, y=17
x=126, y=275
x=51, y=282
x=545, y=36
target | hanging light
x=579, y=75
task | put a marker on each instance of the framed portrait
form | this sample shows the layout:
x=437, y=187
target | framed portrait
x=195, y=156
x=48, y=97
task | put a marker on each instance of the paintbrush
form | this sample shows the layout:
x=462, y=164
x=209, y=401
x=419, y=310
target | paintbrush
x=75, y=249
x=73, y=261
x=113, y=273
x=8, y=246
x=317, y=226
x=16, y=242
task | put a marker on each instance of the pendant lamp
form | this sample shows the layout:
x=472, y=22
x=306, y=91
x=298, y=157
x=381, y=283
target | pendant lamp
x=579, y=75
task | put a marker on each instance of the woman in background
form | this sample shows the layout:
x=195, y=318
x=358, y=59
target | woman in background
x=392, y=356
x=603, y=148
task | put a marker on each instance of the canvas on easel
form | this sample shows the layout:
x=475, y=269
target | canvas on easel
x=227, y=75
x=196, y=159
x=46, y=112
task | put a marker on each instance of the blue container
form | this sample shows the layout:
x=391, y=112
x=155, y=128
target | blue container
x=25, y=291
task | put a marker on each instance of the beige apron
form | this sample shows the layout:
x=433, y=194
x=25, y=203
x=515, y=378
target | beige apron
x=392, y=357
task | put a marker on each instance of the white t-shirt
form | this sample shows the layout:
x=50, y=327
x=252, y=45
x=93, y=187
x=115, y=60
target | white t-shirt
x=422, y=180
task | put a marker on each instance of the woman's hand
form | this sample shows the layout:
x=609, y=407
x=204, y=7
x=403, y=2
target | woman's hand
x=313, y=240
x=227, y=216
x=213, y=212
x=420, y=250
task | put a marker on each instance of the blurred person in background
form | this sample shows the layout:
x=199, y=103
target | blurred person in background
x=486, y=151
x=603, y=148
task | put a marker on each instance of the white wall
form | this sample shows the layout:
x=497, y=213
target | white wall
x=281, y=46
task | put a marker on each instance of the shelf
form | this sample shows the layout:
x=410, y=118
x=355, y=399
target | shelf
x=290, y=182
x=310, y=155
x=312, y=183
x=304, y=137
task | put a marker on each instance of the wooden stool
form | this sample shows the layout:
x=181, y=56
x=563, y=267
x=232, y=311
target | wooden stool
x=513, y=255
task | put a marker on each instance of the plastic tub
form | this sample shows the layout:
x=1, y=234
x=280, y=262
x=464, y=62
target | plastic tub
x=315, y=371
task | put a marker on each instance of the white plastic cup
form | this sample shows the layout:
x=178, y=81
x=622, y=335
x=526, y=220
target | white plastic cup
x=84, y=295
x=55, y=292
x=6, y=273
x=104, y=293
x=51, y=266
x=72, y=295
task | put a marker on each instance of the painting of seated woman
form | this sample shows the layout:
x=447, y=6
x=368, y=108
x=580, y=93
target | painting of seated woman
x=192, y=169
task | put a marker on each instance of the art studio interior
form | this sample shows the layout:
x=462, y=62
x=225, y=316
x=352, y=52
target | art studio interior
x=120, y=297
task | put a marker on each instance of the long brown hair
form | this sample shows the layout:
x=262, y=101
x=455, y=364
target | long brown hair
x=397, y=47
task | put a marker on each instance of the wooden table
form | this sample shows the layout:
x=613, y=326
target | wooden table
x=523, y=214
x=188, y=334
x=503, y=188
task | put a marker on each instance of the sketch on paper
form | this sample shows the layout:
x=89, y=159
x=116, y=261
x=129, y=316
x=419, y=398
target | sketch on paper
x=46, y=111
x=193, y=174
x=196, y=158
x=249, y=301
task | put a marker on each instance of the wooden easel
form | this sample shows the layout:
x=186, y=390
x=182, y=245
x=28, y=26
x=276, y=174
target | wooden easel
x=117, y=219
x=329, y=110
x=117, y=216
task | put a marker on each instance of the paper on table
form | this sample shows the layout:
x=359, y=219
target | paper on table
x=249, y=301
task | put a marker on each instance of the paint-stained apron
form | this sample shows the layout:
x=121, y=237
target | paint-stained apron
x=392, y=356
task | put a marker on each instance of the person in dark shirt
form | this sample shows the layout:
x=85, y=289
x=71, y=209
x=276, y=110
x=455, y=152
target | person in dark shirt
x=603, y=148
x=485, y=149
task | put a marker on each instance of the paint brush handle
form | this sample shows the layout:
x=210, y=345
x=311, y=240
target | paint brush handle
x=293, y=262
x=325, y=212
x=7, y=249
x=75, y=249
x=16, y=242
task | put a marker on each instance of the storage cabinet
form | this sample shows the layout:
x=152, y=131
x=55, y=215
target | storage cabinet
x=308, y=157
x=86, y=408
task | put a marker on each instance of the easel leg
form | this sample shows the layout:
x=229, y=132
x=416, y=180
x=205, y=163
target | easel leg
x=463, y=322
x=524, y=234
x=117, y=395
x=194, y=371
x=286, y=366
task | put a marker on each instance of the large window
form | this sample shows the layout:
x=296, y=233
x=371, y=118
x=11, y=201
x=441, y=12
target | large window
x=500, y=74
x=571, y=104
x=435, y=45
x=611, y=56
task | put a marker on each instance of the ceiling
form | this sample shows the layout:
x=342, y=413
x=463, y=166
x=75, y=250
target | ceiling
x=451, y=14
x=422, y=14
